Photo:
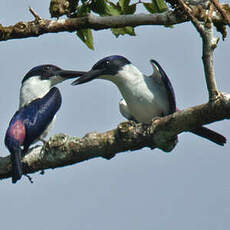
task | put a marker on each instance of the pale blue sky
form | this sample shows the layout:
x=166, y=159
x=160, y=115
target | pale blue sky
x=186, y=189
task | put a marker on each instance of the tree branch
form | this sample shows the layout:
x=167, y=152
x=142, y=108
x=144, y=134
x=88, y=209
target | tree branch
x=220, y=8
x=209, y=43
x=36, y=16
x=62, y=150
x=43, y=26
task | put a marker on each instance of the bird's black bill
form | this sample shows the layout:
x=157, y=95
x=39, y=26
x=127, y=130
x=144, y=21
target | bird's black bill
x=88, y=76
x=68, y=74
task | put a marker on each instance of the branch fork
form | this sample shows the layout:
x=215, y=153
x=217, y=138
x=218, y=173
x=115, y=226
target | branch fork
x=36, y=16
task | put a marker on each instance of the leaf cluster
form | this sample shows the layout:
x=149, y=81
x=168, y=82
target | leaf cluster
x=80, y=8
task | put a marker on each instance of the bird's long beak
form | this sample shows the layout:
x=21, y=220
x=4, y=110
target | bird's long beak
x=68, y=74
x=88, y=76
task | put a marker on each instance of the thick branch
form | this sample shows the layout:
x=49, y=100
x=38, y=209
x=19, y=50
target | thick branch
x=37, y=28
x=62, y=150
x=43, y=26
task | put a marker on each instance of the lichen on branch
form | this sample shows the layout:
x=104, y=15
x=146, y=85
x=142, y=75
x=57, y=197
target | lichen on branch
x=62, y=150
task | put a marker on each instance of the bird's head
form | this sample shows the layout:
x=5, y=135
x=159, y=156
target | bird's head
x=50, y=73
x=108, y=68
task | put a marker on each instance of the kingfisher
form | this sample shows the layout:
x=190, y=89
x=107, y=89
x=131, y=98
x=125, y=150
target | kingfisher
x=39, y=102
x=144, y=97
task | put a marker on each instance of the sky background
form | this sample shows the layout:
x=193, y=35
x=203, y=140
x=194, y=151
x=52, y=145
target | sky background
x=188, y=188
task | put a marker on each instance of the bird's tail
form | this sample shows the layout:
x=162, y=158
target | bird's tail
x=17, y=171
x=210, y=135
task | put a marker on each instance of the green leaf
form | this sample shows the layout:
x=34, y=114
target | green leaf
x=130, y=9
x=105, y=8
x=112, y=9
x=123, y=4
x=160, y=5
x=83, y=10
x=87, y=37
x=125, y=7
x=130, y=30
x=151, y=8
x=99, y=7
x=157, y=6
x=122, y=31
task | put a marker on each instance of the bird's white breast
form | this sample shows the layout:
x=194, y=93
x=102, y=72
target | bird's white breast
x=32, y=89
x=145, y=98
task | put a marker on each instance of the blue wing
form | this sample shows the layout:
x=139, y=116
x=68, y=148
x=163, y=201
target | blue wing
x=27, y=125
x=39, y=114
x=200, y=131
x=168, y=86
x=33, y=118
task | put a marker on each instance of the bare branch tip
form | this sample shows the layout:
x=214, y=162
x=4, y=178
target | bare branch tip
x=36, y=16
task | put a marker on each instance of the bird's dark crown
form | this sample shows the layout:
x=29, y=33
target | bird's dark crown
x=44, y=71
x=111, y=64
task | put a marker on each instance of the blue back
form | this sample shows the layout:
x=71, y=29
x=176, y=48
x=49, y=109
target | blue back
x=36, y=116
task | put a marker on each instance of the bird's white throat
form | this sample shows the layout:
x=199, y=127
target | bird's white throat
x=32, y=89
x=129, y=74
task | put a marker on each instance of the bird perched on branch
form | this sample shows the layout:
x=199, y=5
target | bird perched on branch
x=39, y=102
x=144, y=97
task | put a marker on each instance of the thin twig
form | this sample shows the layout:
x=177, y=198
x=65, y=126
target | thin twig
x=219, y=7
x=36, y=16
x=194, y=20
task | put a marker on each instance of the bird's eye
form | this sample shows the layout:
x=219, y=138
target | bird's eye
x=107, y=62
